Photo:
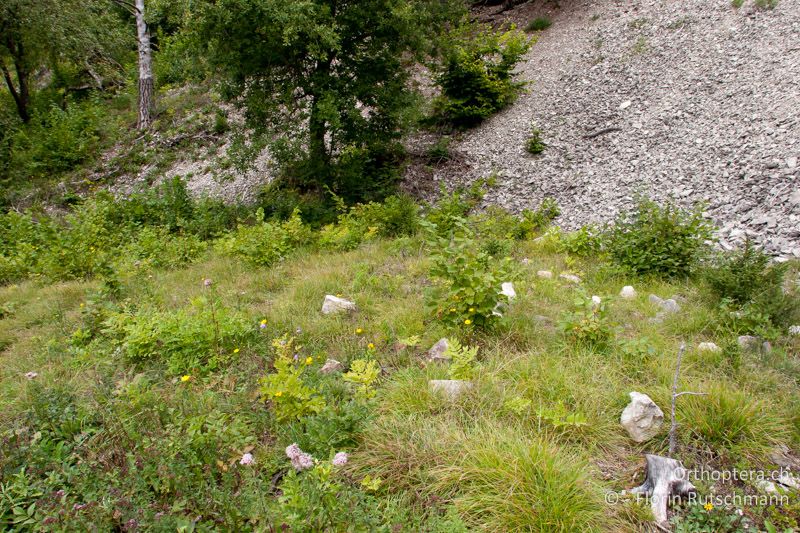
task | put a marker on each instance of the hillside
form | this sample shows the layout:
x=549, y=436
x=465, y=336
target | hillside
x=703, y=98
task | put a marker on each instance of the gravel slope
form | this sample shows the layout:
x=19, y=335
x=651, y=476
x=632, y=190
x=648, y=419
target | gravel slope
x=707, y=99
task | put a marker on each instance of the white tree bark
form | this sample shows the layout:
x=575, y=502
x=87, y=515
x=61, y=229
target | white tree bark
x=146, y=86
x=666, y=478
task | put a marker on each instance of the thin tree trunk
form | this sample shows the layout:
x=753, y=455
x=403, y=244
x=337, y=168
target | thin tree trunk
x=146, y=85
x=21, y=96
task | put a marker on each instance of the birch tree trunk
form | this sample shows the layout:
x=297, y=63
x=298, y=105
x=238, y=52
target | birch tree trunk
x=146, y=86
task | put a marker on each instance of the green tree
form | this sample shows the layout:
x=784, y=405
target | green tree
x=38, y=33
x=328, y=80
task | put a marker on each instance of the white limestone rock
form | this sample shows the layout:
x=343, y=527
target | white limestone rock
x=628, y=292
x=546, y=274
x=708, y=347
x=642, y=418
x=451, y=388
x=438, y=351
x=334, y=304
x=331, y=366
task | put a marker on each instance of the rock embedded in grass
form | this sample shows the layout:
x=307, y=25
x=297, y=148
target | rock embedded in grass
x=331, y=366
x=334, y=304
x=545, y=274
x=451, y=388
x=708, y=347
x=749, y=343
x=628, y=292
x=642, y=418
x=438, y=351
x=572, y=278
x=794, y=331
x=507, y=289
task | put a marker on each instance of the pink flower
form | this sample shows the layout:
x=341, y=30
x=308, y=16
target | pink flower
x=300, y=460
x=247, y=459
x=32, y=375
x=340, y=459
x=207, y=282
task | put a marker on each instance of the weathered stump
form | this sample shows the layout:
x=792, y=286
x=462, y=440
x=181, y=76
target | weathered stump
x=666, y=478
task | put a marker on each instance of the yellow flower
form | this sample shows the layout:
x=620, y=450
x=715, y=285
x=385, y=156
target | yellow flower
x=186, y=378
x=236, y=350
x=471, y=309
x=452, y=309
x=468, y=322
x=359, y=331
x=279, y=394
x=264, y=322
x=309, y=360
x=82, y=304
x=371, y=346
x=339, y=295
x=708, y=506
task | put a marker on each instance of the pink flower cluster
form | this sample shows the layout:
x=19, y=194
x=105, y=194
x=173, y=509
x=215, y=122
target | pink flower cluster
x=247, y=459
x=340, y=459
x=300, y=460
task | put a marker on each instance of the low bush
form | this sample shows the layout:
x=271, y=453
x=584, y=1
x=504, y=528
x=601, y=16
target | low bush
x=476, y=76
x=396, y=216
x=466, y=279
x=588, y=323
x=655, y=239
x=288, y=395
x=265, y=243
x=198, y=339
x=535, y=145
x=538, y=24
x=749, y=280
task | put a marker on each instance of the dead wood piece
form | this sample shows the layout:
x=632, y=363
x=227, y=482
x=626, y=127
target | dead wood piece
x=666, y=479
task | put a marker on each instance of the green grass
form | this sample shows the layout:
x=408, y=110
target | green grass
x=539, y=24
x=474, y=464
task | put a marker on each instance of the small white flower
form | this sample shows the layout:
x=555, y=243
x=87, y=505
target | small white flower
x=247, y=459
x=32, y=375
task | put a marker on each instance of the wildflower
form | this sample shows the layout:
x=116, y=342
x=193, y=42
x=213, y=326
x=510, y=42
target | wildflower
x=340, y=459
x=236, y=350
x=708, y=506
x=31, y=375
x=207, y=282
x=263, y=324
x=468, y=322
x=186, y=378
x=359, y=331
x=247, y=459
x=82, y=304
x=370, y=346
x=452, y=309
x=471, y=309
x=300, y=460
x=309, y=360
x=339, y=295
x=298, y=331
x=279, y=394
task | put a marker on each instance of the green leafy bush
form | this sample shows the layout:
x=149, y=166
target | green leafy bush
x=201, y=338
x=654, y=239
x=396, y=216
x=289, y=396
x=535, y=145
x=363, y=374
x=467, y=280
x=585, y=242
x=476, y=77
x=588, y=323
x=747, y=278
x=265, y=243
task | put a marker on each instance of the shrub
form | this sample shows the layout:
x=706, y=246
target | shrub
x=476, y=76
x=154, y=247
x=265, y=243
x=396, y=216
x=467, y=280
x=588, y=324
x=289, y=396
x=535, y=145
x=748, y=279
x=439, y=152
x=538, y=24
x=586, y=242
x=654, y=239
x=363, y=374
x=201, y=338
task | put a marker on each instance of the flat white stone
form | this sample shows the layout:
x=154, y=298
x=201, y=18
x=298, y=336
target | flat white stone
x=334, y=304
x=451, y=388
